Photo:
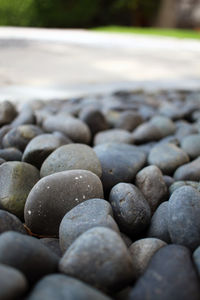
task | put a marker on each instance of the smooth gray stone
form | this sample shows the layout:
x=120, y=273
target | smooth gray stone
x=100, y=258
x=177, y=184
x=9, y=222
x=191, y=145
x=167, y=157
x=165, y=125
x=170, y=275
x=54, y=195
x=62, y=287
x=151, y=183
x=86, y=215
x=113, y=136
x=13, y=283
x=71, y=157
x=183, y=217
x=129, y=120
x=131, y=210
x=52, y=244
x=3, y=130
x=27, y=254
x=158, y=227
x=168, y=180
x=196, y=259
x=7, y=112
x=119, y=162
x=2, y=161
x=146, y=132
x=189, y=171
x=25, y=116
x=11, y=154
x=16, y=181
x=39, y=148
x=142, y=251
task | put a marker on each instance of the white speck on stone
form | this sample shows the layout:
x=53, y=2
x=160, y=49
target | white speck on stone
x=83, y=196
x=76, y=178
x=93, y=220
x=88, y=185
x=29, y=212
x=81, y=176
x=48, y=187
x=76, y=199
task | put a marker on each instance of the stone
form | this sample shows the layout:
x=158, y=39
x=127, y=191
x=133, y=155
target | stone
x=9, y=222
x=113, y=136
x=2, y=161
x=119, y=162
x=146, y=132
x=191, y=145
x=3, y=130
x=25, y=116
x=126, y=239
x=27, y=254
x=16, y=181
x=177, y=184
x=189, y=171
x=60, y=287
x=86, y=215
x=165, y=125
x=184, y=129
x=183, y=217
x=7, y=112
x=141, y=253
x=54, y=195
x=39, y=148
x=168, y=180
x=129, y=120
x=151, y=183
x=73, y=128
x=13, y=283
x=158, y=227
x=196, y=259
x=131, y=210
x=170, y=275
x=20, y=136
x=167, y=157
x=52, y=244
x=100, y=258
x=11, y=154
x=71, y=157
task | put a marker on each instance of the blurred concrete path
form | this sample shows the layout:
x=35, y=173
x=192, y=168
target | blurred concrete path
x=50, y=63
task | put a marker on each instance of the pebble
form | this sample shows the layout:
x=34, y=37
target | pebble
x=26, y=116
x=11, y=154
x=168, y=180
x=191, y=145
x=167, y=157
x=52, y=244
x=39, y=148
x=119, y=162
x=27, y=254
x=54, y=195
x=113, y=136
x=189, y=171
x=142, y=251
x=158, y=227
x=170, y=275
x=13, y=283
x=71, y=157
x=111, y=268
x=9, y=222
x=151, y=183
x=2, y=161
x=86, y=215
x=130, y=208
x=7, y=112
x=183, y=220
x=61, y=287
x=129, y=120
x=196, y=259
x=3, y=130
x=16, y=181
x=165, y=125
x=177, y=184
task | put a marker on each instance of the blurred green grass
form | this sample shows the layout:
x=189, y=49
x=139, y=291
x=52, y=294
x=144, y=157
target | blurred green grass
x=177, y=33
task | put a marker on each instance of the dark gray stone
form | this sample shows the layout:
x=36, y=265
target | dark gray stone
x=7, y=112
x=151, y=183
x=119, y=162
x=16, y=181
x=2, y=161
x=13, y=283
x=196, y=259
x=9, y=222
x=3, y=130
x=99, y=257
x=191, y=145
x=27, y=254
x=189, y=171
x=54, y=195
x=11, y=154
x=131, y=210
x=126, y=239
x=62, y=287
x=86, y=215
x=170, y=275
x=167, y=157
x=183, y=217
x=113, y=136
x=71, y=157
x=159, y=223
x=129, y=120
x=52, y=244
x=146, y=132
x=168, y=180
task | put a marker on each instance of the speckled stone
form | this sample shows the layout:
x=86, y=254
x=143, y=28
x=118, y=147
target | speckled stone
x=54, y=195
x=99, y=257
x=113, y=136
x=189, y=171
x=71, y=157
x=191, y=145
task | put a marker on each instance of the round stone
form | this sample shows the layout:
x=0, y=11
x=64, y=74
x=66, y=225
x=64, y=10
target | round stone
x=7, y=112
x=183, y=217
x=39, y=148
x=146, y=132
x=54, y=195
x=113, y=136
x=25, y=116
x=167, y=157
x=9, y=222
x=129, y=120
x=71, y=157
x=11, y=154
x=191, y=145
x=60, y=287
x=131, y=210
x=52, y=244
x=16, y=181
x=86, y=215
x=189, y=171
x=196, y=259
x=159, y=223
x=100, y=258
x=142, y=251
x=13, y=283
x=177, y=184
x=151, y=183
x=168, y=180
x=27, y=254
x=165, y=125
x=119, y=162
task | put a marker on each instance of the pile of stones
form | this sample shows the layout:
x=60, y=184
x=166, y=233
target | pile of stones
x=100, y=198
